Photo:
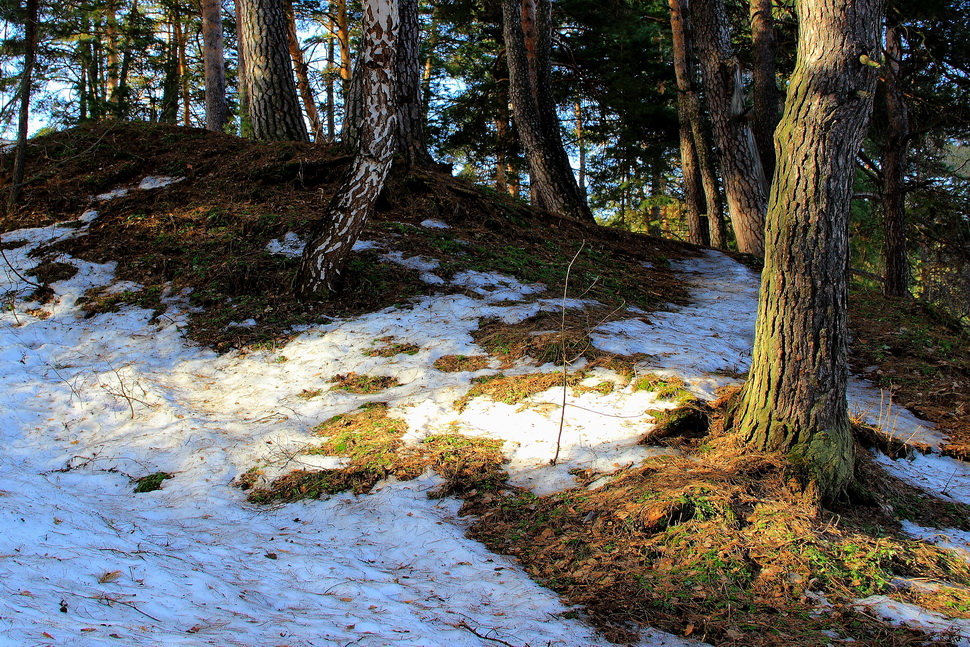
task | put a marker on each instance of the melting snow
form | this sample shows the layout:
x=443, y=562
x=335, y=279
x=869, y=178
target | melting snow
x=952, y=538
x=431, y=223
x=157, y=182
x=88, y=403
x=916, y=617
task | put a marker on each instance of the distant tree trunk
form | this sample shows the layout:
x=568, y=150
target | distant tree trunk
x=274, y=109
x=894, y=172
x=213, y=55
x=745, y=186
x=350, y=129
x=411, y=143
x=326, y=255
x=170, y=84
x=343, y=40
x=580, y=147
x=26, y=79
x=764, y=88
x=112, y=51
x=693, y=189
x=183, y=71
x=506, y=177
x=527, y=31
x=794, y=399
x=242, y=74
x=331, y=103
x=302, y=72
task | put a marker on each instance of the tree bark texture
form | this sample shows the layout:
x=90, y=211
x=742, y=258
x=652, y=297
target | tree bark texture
x=693, y=190
x=26, y=80
x=326, y=254
x=302, y=71
x=274, y=109
x=411, y=143
x=242, y=76
x=794, y=400
x=764, y=88
x=894, y=172
x=527, y=32
x=213, y=56
x=354, y=110
x=745, y=186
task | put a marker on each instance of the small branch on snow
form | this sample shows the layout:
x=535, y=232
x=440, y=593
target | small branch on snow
x=466, y=627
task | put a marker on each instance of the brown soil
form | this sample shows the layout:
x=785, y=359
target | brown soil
x=209, y=232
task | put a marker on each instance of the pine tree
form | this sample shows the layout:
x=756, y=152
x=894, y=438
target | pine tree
x=794, y=400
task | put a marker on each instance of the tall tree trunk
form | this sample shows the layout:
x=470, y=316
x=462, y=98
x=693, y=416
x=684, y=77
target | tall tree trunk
x=183, y=70
x=894, y=172
x=343, y=40
x=26, y=79
x=764, y=88
x=274, y=109
x=242, y=73
x=794, y=400
x=302, y=72
x=693, y=189
x=112, y=51
x=745, y=186
x=331, y=103
x=411, y=143
x=527, y=32
x=326, y=255
x=350, y=128
x=580, y=147
x=170, y=85
x=213, y=56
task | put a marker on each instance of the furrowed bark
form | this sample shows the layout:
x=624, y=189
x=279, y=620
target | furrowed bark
x=894, y=172
x=693, y=190
x=274, y=109
x=794, y=400
x=745, y=186
x=411, y=144
x=527, y=32
x=213, y=54
x=327, y=252
x=764, y=89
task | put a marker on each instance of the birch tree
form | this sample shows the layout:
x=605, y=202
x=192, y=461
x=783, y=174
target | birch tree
x=326, y=254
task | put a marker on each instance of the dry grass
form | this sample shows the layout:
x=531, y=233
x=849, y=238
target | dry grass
x=514, y=389
x=461, y=363
x=371, y=441
x=363, y=384
x=388, y=347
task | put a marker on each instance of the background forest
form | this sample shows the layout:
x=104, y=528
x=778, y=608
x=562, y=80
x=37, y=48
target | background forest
x=615, y=85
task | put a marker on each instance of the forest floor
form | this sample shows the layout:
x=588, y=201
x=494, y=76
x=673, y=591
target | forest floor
x=193, y=458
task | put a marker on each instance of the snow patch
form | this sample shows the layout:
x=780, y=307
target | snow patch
x=952, y=538
x=157, y=182
x=916, y=617
x=291, y=245
x=431, y=223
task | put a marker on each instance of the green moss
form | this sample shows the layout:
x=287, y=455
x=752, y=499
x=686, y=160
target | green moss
x=151, y=482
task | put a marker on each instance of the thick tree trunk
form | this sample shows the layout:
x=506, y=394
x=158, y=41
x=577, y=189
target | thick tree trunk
x=326, y=255
x=894, y=172
x=302, y=72
x=274, y=109
x=745, y=186
x=764, y=88
x=527, y=33
x=794, y=400
x=26, y=79
x=693, y=189
x=411, y=144
x=213, y=56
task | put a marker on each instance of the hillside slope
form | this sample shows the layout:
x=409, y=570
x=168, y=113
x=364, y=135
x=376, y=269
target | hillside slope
x=162, y=387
